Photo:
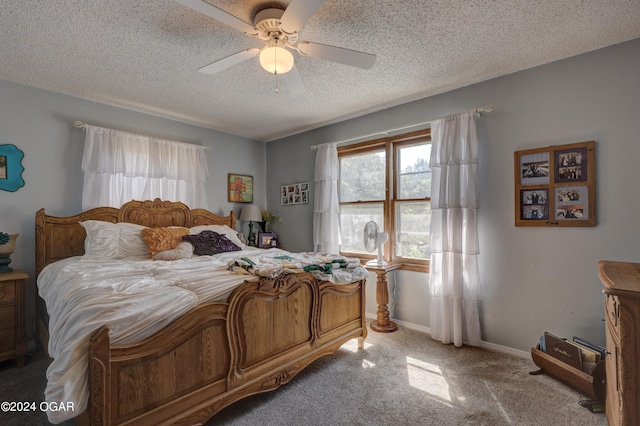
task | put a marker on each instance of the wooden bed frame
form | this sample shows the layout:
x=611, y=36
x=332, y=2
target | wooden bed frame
x=217, y=353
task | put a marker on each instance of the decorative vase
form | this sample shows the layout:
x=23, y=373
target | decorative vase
x=5, y=252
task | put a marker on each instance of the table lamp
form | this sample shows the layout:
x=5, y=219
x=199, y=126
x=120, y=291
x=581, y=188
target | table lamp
x=251, y=213
x=7, y=246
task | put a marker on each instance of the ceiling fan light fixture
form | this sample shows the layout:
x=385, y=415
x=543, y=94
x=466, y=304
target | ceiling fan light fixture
x=276, y=60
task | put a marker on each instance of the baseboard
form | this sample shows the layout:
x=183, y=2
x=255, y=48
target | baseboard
x=485, y=345
x=505, y=349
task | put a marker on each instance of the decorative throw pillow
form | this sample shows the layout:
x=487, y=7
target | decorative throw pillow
x=161, y=239
x=230, y=233
x=210, y=242
x=183, y=250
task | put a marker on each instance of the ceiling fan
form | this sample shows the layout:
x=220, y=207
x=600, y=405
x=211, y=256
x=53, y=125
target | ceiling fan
x=279, y=28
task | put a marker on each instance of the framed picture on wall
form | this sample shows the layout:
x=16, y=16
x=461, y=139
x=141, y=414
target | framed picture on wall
x=555, y=185
x=11, y=168
x=295, y=193
x=240, y=188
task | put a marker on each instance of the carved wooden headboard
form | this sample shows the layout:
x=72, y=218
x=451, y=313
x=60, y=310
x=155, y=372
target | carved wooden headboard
x=61, y=237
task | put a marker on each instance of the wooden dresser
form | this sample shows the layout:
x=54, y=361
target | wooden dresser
x=622, y=315
x=12, y=316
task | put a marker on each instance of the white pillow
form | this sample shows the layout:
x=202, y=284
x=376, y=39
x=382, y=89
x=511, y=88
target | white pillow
x=106, y=240
x=231, y=233
x=131, y=242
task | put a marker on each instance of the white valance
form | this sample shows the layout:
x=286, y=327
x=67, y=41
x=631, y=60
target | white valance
x=120, y=166
x=117, y=152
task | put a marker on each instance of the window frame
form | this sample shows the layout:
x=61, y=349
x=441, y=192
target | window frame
x=390, y=145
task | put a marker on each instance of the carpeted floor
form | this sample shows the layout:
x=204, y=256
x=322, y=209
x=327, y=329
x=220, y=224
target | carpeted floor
x=401, y=378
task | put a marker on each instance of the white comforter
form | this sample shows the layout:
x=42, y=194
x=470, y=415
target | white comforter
x=134, y=298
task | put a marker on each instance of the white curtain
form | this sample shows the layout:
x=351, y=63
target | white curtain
x=119, y=167
x=454, y=280
x=326, y=209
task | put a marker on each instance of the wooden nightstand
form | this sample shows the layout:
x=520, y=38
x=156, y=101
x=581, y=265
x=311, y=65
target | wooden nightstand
x=12, y=316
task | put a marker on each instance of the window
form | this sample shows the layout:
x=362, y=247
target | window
x=388, y=181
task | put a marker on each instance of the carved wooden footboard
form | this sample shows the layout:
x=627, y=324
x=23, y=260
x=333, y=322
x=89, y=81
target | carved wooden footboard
x=221, y=352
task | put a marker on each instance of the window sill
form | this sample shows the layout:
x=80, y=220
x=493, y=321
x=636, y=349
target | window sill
x=414, y=267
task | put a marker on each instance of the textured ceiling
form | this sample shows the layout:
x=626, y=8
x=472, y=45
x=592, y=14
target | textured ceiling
x=144, y=54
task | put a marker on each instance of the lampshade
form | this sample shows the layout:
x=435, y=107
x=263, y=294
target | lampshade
x=276, y=59
x=251, y=213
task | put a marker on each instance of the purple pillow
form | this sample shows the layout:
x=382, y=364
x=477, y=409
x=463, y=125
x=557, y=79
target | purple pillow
x=210, y=242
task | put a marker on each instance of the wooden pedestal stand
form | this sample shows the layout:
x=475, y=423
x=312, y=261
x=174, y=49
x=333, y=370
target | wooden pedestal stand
x=382, y=323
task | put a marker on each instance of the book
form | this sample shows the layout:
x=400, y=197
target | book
x=563, y=350
x=588, y=355
x=601, y=349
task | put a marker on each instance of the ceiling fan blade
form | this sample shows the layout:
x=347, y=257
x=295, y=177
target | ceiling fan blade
x=229, y=61
x=219, y=15
x=293, y=81
x=298, y=13
x=337, y=54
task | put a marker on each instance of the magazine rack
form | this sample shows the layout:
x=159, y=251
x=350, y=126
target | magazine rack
x=590, y=384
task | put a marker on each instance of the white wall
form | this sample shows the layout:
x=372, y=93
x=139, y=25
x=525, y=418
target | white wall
x=40, y=123
x=533, y=279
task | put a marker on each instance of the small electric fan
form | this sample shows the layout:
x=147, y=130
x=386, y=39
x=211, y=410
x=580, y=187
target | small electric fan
x=374, y=239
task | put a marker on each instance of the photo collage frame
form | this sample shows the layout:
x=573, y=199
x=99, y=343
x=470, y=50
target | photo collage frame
x=295, y=193
x=555, y=186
